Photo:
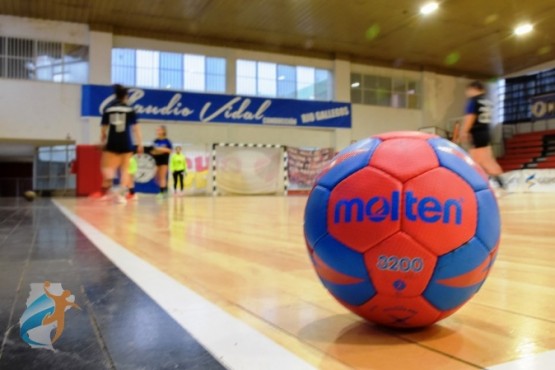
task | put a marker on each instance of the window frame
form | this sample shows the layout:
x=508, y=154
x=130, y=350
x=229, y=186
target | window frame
x=384, y=91
x=281, y=91
x=55, y=67
x=161, y=72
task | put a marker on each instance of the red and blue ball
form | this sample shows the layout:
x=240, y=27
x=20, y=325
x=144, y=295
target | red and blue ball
x=402, y=228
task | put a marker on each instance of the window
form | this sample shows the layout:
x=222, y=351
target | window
x=43, y=60
x=123, y=66
x=396, y=92
x=267, y=81
x=148, y=68
x=52, y=168
x=19, y=59
x=283, y=81
x=171, y=71
x=76, y=65
x=215, y=74
x=323, y=85
x=286, y=84
x=165, y=70
x=246, y=77
x=305, y=83
x=515, y=94
x=195, y=73
x=48, y=65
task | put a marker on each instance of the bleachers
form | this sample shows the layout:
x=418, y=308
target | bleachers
x=530, y=150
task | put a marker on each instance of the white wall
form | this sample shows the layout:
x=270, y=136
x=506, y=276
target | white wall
x=100, y=52
x=444, y=98
x=370, y=120
x=41, y=29
x=202, y=133
x=48, y=110
x=40, y=110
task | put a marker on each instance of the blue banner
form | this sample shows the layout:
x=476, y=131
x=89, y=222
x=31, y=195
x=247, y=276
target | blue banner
x=543, y=107
x=166, y=105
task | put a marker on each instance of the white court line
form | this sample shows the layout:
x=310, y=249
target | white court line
x=232, y=342
x=542, y=361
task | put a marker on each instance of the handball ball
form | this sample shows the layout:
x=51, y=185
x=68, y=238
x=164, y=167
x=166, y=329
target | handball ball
x=402, y=228
x=29, y=195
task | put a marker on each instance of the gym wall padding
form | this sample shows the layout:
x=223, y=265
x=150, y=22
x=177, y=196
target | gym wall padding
x=87, y=169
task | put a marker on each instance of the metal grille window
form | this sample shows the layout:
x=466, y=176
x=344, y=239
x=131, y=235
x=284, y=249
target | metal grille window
x=396, y=92
x=52, y=169
x=43, y=60
x=284, y=81
x=165, y=70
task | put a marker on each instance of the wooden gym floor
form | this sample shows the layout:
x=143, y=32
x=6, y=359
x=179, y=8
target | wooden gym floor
x=247, y=255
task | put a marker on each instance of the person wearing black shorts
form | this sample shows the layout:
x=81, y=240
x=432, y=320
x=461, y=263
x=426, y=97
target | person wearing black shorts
x=161, y=152
x=119, y=123
x=476, y=130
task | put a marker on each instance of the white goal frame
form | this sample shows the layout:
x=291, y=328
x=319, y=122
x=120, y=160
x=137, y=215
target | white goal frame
x=249, y=145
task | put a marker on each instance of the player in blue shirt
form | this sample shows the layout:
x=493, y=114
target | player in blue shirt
x=476, y=130
x=118, y=126
x=161, y=152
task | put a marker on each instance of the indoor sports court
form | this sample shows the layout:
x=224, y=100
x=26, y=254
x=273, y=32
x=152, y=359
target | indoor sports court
x=277, y=185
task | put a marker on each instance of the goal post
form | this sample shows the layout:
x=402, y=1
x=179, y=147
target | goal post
x=249, y=169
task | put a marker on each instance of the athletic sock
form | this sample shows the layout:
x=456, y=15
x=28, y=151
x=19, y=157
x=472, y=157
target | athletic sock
x=132, y=191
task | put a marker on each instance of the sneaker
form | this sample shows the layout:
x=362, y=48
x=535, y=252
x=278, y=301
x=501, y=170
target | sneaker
x=106, y=198
x=120, y=199
x=130, y=196
x=98, y=195
x=160, y=196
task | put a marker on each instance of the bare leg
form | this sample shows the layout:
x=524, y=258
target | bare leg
x=163, y=176
x=485, y=158
x=124, y=167
x=110, y=164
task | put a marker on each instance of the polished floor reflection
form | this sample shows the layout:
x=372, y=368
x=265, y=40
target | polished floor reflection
x=247, y=255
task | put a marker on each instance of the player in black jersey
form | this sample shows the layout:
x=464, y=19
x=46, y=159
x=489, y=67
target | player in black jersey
x=119, y=124
x=476, y=130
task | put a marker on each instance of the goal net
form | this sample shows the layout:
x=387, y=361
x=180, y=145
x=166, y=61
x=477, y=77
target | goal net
x=249, y=169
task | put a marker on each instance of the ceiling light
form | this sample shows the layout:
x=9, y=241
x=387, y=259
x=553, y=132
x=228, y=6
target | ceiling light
x=355, y=84
x=429, y=8
x=523, y=29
